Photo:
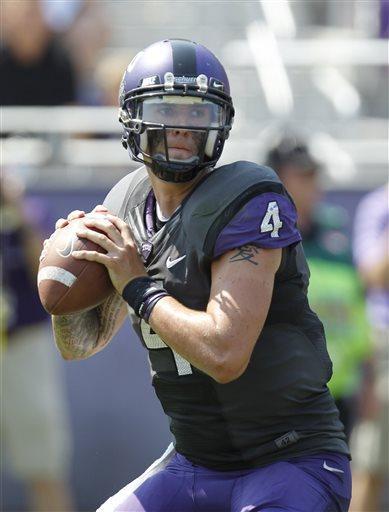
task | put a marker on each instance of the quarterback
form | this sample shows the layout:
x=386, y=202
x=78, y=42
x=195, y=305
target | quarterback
x=208, y=263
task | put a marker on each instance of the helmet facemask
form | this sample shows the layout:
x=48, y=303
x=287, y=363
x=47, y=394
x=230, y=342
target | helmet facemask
x=176, y=135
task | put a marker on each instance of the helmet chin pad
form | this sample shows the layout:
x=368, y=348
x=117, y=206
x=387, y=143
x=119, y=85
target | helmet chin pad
x=174, y=171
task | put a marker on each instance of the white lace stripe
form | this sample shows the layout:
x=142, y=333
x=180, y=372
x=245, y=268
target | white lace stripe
x=56, y=274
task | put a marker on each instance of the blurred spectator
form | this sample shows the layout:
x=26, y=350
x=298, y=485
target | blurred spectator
x=384, y=19
x=35, y=68
x=370, y=443
x=87, y=36
x=61, y=14
x=34, y=421
x=108, y=75
x=84, y=28
x=335, y=292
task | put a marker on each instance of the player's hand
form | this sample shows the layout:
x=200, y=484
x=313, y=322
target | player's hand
x=122, y=259
x=61, y=223
x=78, y=214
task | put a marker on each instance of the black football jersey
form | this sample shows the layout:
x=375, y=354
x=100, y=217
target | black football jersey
x=280, y=407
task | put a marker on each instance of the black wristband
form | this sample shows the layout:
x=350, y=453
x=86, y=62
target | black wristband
x=138, y=292
x=148, y=305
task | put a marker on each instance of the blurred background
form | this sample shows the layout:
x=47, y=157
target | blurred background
x=309, y=80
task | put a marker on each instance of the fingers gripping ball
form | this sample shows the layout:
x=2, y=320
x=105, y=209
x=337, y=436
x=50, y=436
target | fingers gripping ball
x=68, y=285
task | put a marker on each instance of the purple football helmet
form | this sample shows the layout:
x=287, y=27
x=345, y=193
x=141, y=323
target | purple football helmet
x=175, y=86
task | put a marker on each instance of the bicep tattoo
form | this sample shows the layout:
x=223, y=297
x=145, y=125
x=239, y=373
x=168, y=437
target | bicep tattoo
x=245, y=253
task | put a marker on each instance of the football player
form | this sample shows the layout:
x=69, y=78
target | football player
x=209, y=265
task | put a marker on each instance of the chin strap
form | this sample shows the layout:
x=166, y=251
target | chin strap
x=171, y=175
x=175, y=172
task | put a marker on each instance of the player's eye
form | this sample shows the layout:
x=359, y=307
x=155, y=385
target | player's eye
x=166, y=111
x=197, y=113
x=200, y=113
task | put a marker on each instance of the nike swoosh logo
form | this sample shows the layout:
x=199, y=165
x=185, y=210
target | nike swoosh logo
x=170, y=263
x=68, y=249
x=333, y=470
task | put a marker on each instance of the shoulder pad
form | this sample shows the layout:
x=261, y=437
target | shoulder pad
x=226, y=183
x=222, y=193
x=117, y=199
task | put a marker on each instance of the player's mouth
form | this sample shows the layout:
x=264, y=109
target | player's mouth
x=179, y=152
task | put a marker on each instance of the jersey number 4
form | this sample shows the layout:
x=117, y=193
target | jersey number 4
x=271, y=221
x=154, y=342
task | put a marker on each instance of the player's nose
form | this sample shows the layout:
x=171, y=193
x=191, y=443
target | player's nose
x=181, y=131
x=178, y=133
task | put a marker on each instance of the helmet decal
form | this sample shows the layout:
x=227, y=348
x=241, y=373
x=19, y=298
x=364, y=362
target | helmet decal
x=131, y=65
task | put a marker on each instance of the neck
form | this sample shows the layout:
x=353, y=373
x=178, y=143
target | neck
x=170, y=195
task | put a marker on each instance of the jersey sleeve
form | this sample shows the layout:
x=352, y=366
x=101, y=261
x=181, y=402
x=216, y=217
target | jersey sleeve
x=268, y=221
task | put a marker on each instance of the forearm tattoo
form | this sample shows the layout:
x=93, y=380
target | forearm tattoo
x=108, y=313
x=245, y=253
x=80, y=334
x=76, y=335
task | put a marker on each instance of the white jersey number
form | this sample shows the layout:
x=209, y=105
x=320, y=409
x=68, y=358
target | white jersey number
x=154, y=342
x=271, y=221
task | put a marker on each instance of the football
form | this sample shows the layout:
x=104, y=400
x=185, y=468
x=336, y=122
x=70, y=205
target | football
x=67, y=285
